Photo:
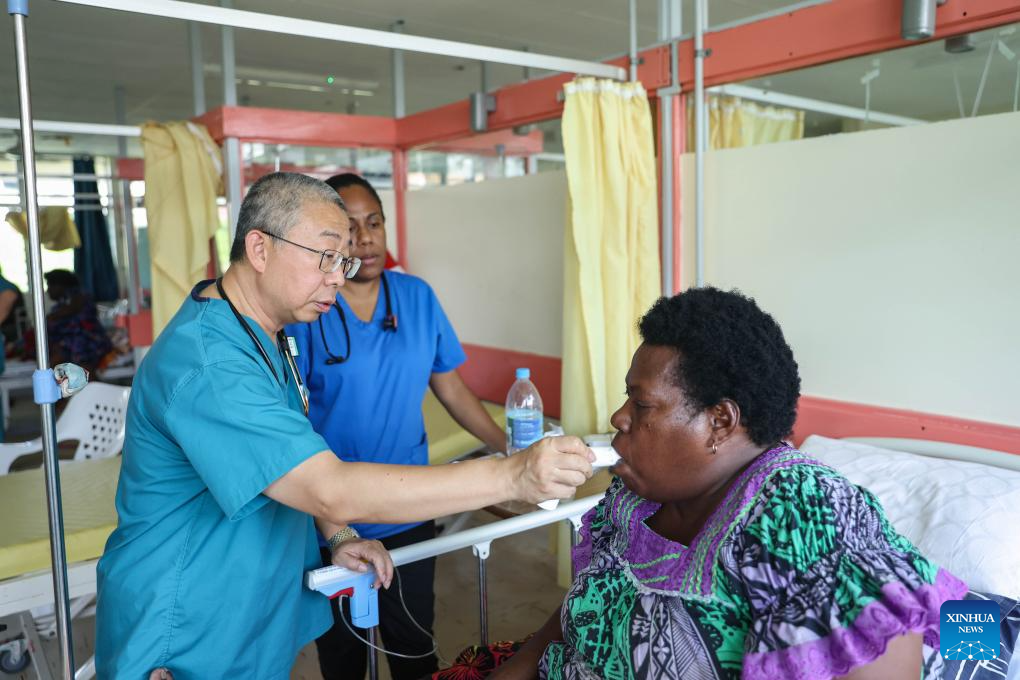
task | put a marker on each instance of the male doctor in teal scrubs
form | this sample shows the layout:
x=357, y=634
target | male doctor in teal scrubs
x=222, y=473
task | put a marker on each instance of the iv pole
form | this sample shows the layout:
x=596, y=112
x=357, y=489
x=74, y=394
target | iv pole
x=44, y=386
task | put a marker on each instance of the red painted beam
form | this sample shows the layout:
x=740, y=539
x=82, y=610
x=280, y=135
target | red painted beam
x=213, y=122
x=132, y=169
x=305, y=128
x=485, y=144
x=139, y=327
x=839, y=29
x=520, y=104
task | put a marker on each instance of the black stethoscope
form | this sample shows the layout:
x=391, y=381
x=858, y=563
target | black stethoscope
x=389, y=324
x=281, y=344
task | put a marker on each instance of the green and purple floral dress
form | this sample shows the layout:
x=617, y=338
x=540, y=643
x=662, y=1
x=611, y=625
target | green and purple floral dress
x=797, y=575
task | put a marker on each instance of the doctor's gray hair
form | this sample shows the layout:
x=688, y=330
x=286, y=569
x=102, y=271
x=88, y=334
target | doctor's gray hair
x=274, y=205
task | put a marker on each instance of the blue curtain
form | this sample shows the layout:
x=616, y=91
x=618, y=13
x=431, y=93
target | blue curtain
x=93, y=262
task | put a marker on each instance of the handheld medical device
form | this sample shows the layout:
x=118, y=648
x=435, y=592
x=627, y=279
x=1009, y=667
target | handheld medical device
x=364, y=606
x=605, y=457
x=363, y=597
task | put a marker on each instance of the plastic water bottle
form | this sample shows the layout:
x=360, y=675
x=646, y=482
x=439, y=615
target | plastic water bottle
x=524, y=419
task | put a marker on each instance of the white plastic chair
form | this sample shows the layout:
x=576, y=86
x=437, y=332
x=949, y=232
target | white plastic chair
x=94, y=418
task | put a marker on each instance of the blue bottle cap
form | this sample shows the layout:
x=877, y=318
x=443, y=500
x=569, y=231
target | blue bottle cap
x=523, y=373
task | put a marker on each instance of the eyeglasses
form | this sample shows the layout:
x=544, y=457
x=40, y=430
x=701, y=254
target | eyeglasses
x=330, y=260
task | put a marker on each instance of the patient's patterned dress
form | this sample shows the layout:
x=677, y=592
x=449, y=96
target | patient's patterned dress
x=796, y=575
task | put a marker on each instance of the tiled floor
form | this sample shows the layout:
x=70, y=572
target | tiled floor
x=521, y=576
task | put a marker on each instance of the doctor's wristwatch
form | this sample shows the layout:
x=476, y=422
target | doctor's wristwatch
x=345, y=534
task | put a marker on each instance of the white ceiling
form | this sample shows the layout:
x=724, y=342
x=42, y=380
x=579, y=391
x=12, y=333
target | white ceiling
x=78, y=55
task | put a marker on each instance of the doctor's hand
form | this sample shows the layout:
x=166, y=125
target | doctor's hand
x=357, y=554
x=550, y=468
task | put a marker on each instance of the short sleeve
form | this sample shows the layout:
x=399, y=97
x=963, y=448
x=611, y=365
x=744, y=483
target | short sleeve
x=449, y=354
x=828, y=580
x=239, y=434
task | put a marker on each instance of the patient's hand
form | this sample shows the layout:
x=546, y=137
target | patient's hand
x=357, y=554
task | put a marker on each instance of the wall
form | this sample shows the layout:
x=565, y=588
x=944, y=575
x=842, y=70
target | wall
x=493, y=251
x=891, y=258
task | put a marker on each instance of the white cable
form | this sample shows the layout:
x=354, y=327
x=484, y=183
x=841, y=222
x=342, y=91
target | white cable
x=400, y=593
x=959, y=93
x=984, y=77
x=866, y=82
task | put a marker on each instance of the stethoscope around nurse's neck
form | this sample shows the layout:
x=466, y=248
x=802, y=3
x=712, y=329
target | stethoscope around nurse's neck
x=389, y=324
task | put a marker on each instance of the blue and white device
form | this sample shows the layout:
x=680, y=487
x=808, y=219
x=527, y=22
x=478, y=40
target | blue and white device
x=335, y=582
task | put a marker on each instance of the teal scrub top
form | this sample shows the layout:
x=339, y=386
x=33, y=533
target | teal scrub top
x=204, y=574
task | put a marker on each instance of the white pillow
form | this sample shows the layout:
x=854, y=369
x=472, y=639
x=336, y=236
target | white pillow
x=963, y=516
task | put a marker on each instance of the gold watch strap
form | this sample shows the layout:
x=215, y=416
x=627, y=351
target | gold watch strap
x=345, y=534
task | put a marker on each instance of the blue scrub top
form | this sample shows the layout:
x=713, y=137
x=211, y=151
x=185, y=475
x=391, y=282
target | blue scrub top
x=369, y=407
x=204, y=573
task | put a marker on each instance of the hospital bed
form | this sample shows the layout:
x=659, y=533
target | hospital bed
x=960, y=505
x=88, y=489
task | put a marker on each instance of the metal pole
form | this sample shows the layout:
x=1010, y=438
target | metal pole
x=72, y=128
x=632, y=6
x=700, y=20
x=19, y=10
x=399, y=109
x=231, y=146
x=197, y=68
x=373, y=656
x=666, y=151
x=669, y=30
x=274, y=23
x=484, y=79
x=123, y=191
x=481, y=551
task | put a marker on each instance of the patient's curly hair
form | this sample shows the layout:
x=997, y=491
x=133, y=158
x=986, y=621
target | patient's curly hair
x=729, y=348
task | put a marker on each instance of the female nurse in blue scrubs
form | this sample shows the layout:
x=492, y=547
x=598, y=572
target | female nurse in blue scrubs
x=367, y=363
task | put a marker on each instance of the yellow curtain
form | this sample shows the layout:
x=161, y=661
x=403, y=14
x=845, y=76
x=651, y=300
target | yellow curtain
x=734, y=122
x=57, y=230
x=611, y=268
x=183, y=169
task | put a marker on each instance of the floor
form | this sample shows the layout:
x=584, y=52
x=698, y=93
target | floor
x=521, y=576
x=511, y=614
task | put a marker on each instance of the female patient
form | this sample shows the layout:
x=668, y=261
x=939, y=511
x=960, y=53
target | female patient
x=719, y=551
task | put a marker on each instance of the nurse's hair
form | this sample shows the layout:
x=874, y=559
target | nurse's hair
x=274, y=205
x=349, y=179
